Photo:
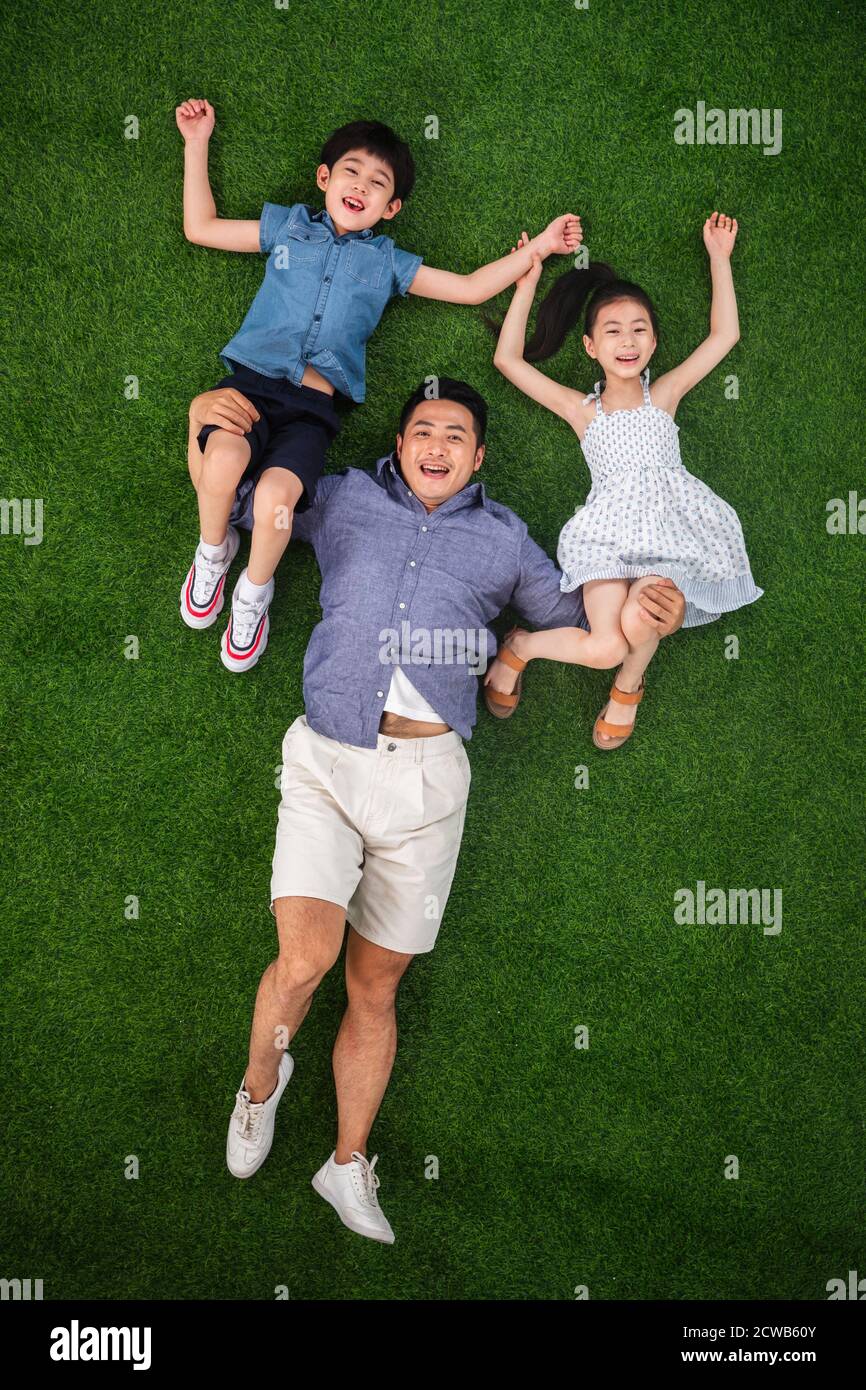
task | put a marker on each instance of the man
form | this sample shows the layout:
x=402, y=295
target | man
x=375, y=776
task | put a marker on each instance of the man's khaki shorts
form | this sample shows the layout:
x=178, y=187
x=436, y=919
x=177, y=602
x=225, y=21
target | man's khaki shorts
x=376, y=830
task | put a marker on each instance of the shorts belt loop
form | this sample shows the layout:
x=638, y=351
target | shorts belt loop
x=419, y=749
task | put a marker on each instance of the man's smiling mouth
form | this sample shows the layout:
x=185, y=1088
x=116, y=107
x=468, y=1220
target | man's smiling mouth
x=434, y=470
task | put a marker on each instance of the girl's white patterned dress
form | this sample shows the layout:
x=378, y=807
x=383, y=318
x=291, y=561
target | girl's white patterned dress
x=646, y=514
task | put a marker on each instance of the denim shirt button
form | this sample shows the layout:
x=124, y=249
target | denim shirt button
x=381, y=694
x=423, y=528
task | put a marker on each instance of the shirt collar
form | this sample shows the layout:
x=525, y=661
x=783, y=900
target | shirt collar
x=325, y=218
x=470, y=493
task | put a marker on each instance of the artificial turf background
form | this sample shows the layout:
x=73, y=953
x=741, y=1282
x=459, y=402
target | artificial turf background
x=156, y=776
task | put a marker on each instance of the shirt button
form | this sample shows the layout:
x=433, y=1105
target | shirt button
x=401, y=605
x=381, y=694
x=327, y=279
x=412, y=563
x=423, y=528
x=391, y=747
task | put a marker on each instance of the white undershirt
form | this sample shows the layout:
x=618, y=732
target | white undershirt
x=404, y=699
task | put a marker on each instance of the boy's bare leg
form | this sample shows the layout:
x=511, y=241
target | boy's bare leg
x=367, y=1041
x=277, y=492
x=223, y=462
x=310, y=933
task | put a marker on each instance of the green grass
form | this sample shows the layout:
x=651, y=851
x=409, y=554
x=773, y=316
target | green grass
x=155, y=777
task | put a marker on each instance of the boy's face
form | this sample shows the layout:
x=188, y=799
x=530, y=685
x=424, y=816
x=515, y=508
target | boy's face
x=359, y=191
x=438, y=451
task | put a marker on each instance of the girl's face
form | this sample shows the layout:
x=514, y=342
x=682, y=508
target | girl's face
x=622, y=339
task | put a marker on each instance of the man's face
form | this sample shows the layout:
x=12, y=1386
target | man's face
x=359, y=191
x=438, y=451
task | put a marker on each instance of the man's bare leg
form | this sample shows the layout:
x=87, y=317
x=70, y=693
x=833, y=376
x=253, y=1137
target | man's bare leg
x=310, y=931
x=367, y=1041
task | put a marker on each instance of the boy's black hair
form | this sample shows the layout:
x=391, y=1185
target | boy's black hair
x=447, y=389
x=377, y=139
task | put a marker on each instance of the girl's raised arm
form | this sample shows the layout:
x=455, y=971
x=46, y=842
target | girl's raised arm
x=720, y=233
x=509, y=358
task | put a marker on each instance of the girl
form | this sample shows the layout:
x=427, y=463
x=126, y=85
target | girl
x=646, y=517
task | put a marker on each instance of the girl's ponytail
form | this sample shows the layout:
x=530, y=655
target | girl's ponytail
x=561, y=308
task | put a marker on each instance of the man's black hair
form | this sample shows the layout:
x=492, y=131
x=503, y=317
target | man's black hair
x=445, y=388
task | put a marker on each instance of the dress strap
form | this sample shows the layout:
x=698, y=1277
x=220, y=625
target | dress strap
x=644, y=376
x=597, y=389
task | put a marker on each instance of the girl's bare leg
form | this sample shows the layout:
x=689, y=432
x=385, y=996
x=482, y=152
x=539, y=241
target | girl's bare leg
x=643, y=643
x=602, y=647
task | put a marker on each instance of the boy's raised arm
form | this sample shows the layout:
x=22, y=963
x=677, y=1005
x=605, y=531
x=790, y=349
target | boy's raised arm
x=195, y=121
x=562, y=238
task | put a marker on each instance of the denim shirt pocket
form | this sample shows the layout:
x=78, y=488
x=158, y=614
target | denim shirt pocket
x=366, y=264
x=305, y=244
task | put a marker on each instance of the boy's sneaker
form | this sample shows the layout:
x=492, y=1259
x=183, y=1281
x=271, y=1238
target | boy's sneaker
x=351, y=1190
x=251, y=1127
x=246, y=636
x=202, y=596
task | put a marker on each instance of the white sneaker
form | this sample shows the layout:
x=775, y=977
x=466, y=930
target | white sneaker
x=351, y=1190
x=246, y=636
x=202, y=596
x=251, y=1127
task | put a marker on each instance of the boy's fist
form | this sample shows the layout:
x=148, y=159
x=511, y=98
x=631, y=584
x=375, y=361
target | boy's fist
x=720, y=233
x=564, y=235
x=195, y=119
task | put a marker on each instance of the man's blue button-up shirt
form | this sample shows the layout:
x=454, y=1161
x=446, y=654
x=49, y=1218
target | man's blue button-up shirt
x=401, y=585
x=321, y=298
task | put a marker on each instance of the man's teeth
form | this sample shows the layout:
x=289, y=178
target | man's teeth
x=433, y=468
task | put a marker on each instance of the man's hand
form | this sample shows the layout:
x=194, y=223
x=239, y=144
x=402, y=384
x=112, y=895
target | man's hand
x=225, y=407
x=662, y=606
x=195, y=119
x=563, y=236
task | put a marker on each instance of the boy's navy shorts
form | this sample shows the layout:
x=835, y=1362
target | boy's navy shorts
x=296, y=425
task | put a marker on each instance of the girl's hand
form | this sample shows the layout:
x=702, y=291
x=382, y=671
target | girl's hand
x=532, y=274
x=720, y=233
x=195, y=120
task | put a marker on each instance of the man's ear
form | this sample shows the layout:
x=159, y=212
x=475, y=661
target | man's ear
x=479, y=457
x=392, y=209
x=399, y=445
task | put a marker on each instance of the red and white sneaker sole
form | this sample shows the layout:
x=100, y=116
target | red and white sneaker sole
x=242, y=661
x=206, y=615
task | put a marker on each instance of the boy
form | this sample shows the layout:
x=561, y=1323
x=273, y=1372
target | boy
x=327, y=282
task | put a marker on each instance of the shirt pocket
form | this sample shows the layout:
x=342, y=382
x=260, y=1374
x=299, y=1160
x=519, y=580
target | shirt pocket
x=366, y=264
x=304, y=246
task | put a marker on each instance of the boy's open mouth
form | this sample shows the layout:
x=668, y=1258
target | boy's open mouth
x=353, y=204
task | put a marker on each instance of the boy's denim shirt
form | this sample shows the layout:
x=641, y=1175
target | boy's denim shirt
x=320, y=300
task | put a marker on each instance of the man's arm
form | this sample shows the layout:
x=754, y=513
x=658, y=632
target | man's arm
x=538, y=597
x=195, y=121
x=562, y=237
